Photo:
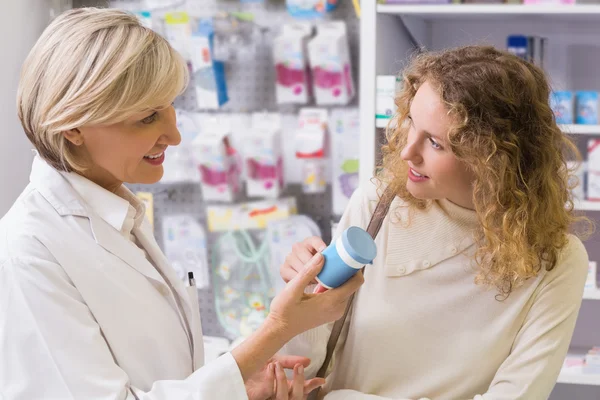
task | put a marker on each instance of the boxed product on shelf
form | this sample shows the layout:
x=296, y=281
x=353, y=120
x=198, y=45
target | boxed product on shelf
x=528, y=47
x=385, y=106
x=593, y=174
x=587, y=107
x=563, y=103
x=592, y=361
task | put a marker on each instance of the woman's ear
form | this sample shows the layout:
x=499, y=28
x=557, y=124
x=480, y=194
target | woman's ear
x=74, y=136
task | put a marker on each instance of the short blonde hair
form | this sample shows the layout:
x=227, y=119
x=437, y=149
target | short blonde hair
x=93, y=66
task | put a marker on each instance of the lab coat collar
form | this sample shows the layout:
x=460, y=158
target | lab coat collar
x=66, y=201
x=109, y=206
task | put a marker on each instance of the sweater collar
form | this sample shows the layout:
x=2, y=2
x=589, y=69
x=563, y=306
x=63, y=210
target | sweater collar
x=462, y=216
x=440, y=232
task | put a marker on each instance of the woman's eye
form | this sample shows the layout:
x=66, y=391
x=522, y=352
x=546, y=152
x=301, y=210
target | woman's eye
x=150, y=119
x=434, y=144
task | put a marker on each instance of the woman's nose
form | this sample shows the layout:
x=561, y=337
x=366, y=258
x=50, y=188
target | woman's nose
x=171, y=135
x=411, y=153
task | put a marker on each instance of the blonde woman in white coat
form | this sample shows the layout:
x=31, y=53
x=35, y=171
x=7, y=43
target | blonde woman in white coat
x=89, y=306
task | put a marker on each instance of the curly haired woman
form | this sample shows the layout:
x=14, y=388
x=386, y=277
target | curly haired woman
x=478, y=282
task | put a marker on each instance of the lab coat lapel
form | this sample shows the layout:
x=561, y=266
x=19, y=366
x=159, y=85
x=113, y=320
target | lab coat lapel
x=112, y=241
x=146, y=238
x=63, y=197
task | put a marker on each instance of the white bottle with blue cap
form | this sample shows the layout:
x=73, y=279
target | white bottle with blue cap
x=346, y=256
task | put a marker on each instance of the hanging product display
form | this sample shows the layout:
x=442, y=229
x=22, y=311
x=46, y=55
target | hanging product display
x=217, y=161
x=209, y=74
x=179, y=165
x=329, y=57
x=184, y=241
x=242, y=275
x=263, y=156
x=310, y=8
x=290, y=54
x=282, y=235
x=311, y=149
x=344, y=129
x=242, y=282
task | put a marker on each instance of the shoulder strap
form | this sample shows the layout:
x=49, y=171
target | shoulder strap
x=375, y=223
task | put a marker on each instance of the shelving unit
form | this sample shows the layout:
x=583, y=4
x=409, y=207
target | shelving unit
x=591, y=294
x=587, y=205
x=581, y=129
x=390, y=34
x=575, y=376
x=494, y=11
x=402, y=27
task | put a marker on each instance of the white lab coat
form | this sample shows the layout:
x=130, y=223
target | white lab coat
x=83, y=314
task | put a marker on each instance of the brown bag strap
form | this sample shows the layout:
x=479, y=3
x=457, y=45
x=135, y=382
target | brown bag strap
x=375, y=223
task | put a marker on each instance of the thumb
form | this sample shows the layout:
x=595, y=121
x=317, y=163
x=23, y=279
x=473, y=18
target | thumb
x=308, y=273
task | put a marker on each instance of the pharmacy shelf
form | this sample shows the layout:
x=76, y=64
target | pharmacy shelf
x=575, y=376
x=591, y=294
x=382, y=122
x=581, y=129
x=577, y=12
x=587, y=205
x=572, y=129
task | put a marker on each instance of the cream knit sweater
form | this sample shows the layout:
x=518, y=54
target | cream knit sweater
x=421, y=328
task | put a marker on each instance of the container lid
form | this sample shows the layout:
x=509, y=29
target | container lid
x=359, y=245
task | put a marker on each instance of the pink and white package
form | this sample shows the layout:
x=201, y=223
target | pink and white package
x=263, y=156
x=293, y=84
x=218, y=162
x=329, y=56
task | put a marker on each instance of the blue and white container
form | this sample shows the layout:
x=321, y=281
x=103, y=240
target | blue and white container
x=346, y=256
x=563, y=104
x=587, y=108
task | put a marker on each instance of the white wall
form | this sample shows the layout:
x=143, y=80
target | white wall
x=23, y=22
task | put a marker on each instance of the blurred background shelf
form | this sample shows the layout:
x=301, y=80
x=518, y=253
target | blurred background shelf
x=578, y=12
x=581, y=129
x=587, y=205
x=591, y=294
x=575, y=376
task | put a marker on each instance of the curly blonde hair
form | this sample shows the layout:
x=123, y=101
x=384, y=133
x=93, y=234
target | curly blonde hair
x=505, y=131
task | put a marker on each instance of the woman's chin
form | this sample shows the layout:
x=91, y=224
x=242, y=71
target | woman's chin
x=149, y=178
x=415, y=192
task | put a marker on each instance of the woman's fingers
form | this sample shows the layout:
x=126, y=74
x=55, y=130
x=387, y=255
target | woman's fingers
x=282, y=391
x=312, y=384
x=301, y=254
x=297, y=392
